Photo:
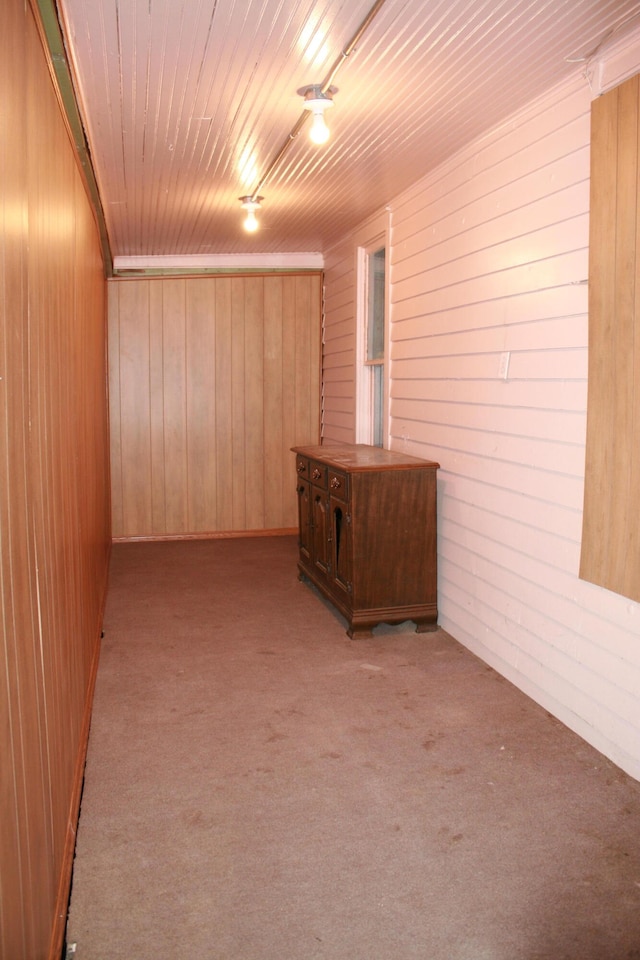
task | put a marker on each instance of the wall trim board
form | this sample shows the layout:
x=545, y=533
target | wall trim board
x=46, y=17
x=225, y=535
x=165, y=266
x=614, y=63
x=232, y=272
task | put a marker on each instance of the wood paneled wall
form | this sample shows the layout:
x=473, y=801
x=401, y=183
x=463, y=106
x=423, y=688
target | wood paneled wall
x=611, y=535
x=212, y=380
x=54, y=517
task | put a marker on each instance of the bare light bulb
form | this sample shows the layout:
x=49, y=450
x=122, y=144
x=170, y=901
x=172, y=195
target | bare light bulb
x=319, y=132
x=316, y=102
x=250, y=205
x=251, y=222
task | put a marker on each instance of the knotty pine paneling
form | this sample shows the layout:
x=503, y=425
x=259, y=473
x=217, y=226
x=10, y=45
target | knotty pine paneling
x=54, y=496
x=212, y=380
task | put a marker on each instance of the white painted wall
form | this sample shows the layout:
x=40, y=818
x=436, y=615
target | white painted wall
x=489, y=260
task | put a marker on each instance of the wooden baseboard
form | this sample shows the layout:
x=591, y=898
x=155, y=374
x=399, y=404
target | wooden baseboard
x=225, y=535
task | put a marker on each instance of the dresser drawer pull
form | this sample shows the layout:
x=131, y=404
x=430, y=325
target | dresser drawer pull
x=316, y=474
x=301, y=467
x=335, y=483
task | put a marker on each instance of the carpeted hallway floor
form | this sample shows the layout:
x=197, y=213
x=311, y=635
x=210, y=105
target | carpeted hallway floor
x=260, y=787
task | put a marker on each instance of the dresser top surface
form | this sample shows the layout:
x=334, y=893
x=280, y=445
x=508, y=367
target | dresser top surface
x=360, y=456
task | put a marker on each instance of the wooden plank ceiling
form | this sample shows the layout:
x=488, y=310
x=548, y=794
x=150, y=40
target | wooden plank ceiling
x=187, y=102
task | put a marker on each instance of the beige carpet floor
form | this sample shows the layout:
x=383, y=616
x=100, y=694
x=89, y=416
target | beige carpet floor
x=260, y=787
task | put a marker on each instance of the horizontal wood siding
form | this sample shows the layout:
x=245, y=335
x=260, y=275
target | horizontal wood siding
x=340, y=349
x=54, y=506
x=496, y=262
x=339, y=346
x=212, y=380
x=489, y=258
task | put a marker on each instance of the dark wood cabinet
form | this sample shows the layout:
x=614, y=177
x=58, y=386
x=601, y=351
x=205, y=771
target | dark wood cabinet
x=367, y=533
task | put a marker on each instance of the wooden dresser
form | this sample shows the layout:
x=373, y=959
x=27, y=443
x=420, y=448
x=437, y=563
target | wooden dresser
x=367, y=533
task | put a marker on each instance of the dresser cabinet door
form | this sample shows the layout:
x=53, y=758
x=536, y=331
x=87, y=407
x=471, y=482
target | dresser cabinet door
x=319, y=529
x=341, y=540
x=304, y=518
x=340, y=530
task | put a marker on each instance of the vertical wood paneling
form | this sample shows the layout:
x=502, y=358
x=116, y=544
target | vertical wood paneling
x=54, y=517
x=223, y=436
x=16, y=599
x=174, y=405
x=134, y=411
x=611, y=544
x=227, y=379
x=489, y=256
x=254, y=420
x=52, y=481
x=237, y=410
x=153, y=304
x=290, y=425
x=201, y=406
x=307, y=339
x=276, y=476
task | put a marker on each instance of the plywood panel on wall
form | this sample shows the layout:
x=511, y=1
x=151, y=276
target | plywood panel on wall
x=212, y=380
x=611, y=538
x=54, y=498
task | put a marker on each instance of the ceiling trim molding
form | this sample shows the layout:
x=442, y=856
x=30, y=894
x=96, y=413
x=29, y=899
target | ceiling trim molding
x=225, y=262
x=46, y=16
x=617, y=65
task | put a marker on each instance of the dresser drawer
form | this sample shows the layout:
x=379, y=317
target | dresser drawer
x=318, y=474
x=313, y=471
x=339, y=484
x=302, y=467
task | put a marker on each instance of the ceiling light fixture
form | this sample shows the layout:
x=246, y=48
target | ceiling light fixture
x=317, y=101
x=324, y=91
x=251, y=204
